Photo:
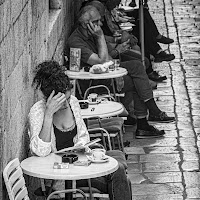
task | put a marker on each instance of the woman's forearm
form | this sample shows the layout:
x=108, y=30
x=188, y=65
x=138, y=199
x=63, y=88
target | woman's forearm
x=45, y=133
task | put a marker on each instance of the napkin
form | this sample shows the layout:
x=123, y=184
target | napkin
x=101, y=68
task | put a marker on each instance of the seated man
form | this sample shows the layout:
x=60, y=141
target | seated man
x=127, y=48
x=55, y=123
x=90, y=38
x=151, y=36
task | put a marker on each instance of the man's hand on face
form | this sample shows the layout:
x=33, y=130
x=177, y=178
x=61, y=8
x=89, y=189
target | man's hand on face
x=94, y=29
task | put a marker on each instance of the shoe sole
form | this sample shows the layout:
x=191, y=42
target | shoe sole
x=159, y=80
x=148, y=137
x=165, y=42
x=169, y=121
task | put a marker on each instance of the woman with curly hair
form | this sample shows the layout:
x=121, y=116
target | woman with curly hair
x=55, y=122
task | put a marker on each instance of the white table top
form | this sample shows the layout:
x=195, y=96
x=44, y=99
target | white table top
x=42, y=167
x=103, y=109
x=87, y=75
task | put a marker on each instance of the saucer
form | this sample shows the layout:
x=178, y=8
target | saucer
x=96, y=102
x=127, y=8
x=106, y=159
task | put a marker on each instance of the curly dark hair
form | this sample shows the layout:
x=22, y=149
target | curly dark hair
x=51, y=76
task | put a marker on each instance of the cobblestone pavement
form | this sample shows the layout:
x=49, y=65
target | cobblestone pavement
x=168, y=168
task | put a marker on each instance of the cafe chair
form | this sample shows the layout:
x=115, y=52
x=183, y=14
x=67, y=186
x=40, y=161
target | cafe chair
x=14, y=181
x=114, y=125
x=67, y=191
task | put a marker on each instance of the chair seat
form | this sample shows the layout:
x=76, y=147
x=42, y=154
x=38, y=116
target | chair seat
x=113, y=124
x=119, y=156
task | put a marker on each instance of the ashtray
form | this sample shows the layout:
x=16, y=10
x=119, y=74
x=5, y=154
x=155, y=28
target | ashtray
x=69, y=158
x=83, y=104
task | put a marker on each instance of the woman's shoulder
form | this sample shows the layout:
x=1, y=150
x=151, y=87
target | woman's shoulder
x=39, y=106
x=73, y=98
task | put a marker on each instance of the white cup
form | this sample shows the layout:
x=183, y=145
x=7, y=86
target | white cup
x=98, y=154
x=92, y=97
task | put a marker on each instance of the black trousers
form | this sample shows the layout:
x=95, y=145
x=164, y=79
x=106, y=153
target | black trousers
x=150, y=32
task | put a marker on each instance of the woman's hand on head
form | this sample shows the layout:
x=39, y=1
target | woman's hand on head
x=54, y=103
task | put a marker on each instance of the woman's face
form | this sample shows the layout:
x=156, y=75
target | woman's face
x=66, y=103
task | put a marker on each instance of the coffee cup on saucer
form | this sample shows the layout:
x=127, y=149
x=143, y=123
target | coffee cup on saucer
x=92, y=98
x=98, y=154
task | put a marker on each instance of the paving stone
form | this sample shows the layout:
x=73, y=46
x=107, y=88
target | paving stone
x=190, y=156
x=192, y=179
x=167, y=166
x=164, y=150
x=187, y=141
x=154, y=189
x=192, y=165
x=133, y=158
x=136, y=178
x=159, y=197
x=134, y=150
x=159, y=157
x=155, y=142
x=134, y=168
x=166, y=177
x=193, y=192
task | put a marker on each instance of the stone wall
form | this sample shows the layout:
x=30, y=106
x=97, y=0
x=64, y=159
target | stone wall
x=30, y=32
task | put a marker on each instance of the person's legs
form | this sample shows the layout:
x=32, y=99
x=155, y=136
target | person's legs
x=143, y=90
x=130, y=55
x=118, y=185
x=139, y=109
x=140, y=79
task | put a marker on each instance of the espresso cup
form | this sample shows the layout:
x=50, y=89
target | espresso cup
x=92, y=97
x=98, y=154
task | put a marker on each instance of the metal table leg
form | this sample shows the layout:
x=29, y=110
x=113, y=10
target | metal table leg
x=141, y=17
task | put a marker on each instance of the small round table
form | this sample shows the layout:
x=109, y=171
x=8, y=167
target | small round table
x=82, y=75
x=102, y=110
x=42, y=167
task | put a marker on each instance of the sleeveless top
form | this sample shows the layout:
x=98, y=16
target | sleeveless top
x=64, y=139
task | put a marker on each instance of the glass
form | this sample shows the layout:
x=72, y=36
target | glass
x=116, y=63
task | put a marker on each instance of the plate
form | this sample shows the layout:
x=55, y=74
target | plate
x=127, y=24
x=106, y=159
x=127, y=8
x=128, y=28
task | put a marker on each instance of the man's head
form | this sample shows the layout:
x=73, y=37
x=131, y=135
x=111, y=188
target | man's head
x=111, y=4
x=89, y=14
x=99, y=6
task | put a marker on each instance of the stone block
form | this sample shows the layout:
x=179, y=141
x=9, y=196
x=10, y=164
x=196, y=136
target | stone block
x=159, y=157
x=187, y=142
x=134, y=168
x=157, y=189
x=190, y=156
x=156, y=150
x=193, y=193
x=136, y=178
x=16, y=9
x=29, y=17
x=166, y=177
x=6, y=17
x=192, y=165
x=9, y=53
x=167, y=166
x=192, y=179
x=16, y=85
